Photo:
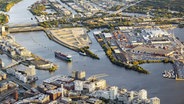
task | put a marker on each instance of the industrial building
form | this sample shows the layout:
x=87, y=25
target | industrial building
x=55, y=91
x=39, y=99
x=79, y=75
x=152, y=51
x=107, y=35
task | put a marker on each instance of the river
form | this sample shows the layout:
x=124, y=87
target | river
x=169, y=91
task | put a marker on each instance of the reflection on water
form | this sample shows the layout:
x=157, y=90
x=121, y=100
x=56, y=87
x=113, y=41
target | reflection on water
x=69, y=67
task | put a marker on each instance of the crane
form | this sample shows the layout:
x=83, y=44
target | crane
x=96, y=76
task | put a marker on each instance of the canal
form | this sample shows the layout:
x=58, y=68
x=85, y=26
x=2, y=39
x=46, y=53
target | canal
x=169, y=91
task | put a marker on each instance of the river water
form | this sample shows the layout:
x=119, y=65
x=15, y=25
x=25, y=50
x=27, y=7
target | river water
x=169, y=91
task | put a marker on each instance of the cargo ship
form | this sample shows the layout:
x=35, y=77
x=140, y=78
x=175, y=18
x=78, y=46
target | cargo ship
x=63, y=56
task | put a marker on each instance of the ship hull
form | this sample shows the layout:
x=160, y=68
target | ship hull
x=65, y=58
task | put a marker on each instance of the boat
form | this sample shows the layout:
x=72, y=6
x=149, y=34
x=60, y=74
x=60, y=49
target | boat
x=169, y=74
x=82, y=53
x=63, y=56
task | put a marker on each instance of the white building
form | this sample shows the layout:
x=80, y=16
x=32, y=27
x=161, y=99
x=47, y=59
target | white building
x=107, y=35
x=154, y=100
x=142, y=94
x=155, y=32
x=21, y=77
x=131, y=96
x=113, y=92
x=24, y=52
x=78, y=85
x=100, y=84
x=101, y=94
x=30, y=71
x=90, y=86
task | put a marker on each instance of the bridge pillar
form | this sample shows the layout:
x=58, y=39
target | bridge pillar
x=4, y=30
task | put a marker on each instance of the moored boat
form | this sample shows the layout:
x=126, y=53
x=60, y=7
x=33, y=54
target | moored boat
x=82, y=53
x=63, y=56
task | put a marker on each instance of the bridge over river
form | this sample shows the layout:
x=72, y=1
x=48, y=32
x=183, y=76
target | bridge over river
x=15, y=28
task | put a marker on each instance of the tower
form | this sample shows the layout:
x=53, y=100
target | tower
x=62, y=91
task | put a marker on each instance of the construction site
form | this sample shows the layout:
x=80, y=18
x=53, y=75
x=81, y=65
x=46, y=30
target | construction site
x=71, y=37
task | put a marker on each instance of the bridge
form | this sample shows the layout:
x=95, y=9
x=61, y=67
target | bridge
x=22, y=25
x=14, y=28
x=25, y=29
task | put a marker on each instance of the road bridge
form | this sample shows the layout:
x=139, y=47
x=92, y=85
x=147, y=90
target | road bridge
x=25, y=29
x=14, y=28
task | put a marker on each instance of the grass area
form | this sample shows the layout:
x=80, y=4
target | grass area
x=160, y=8
x=38, y=9
x=5, y=5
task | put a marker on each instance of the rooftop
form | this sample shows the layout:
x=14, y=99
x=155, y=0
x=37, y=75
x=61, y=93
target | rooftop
x=142, y=49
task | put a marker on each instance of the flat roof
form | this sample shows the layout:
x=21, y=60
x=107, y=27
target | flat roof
x=97, y=32
x=107, y=35
x=151, y=50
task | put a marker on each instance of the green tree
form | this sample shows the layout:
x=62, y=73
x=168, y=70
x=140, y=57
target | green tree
x=135, y=63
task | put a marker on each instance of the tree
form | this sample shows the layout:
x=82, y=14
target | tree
x=135, y=63
x=166, y=60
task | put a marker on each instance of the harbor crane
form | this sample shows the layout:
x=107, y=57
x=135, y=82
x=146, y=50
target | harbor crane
x=96, y=76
